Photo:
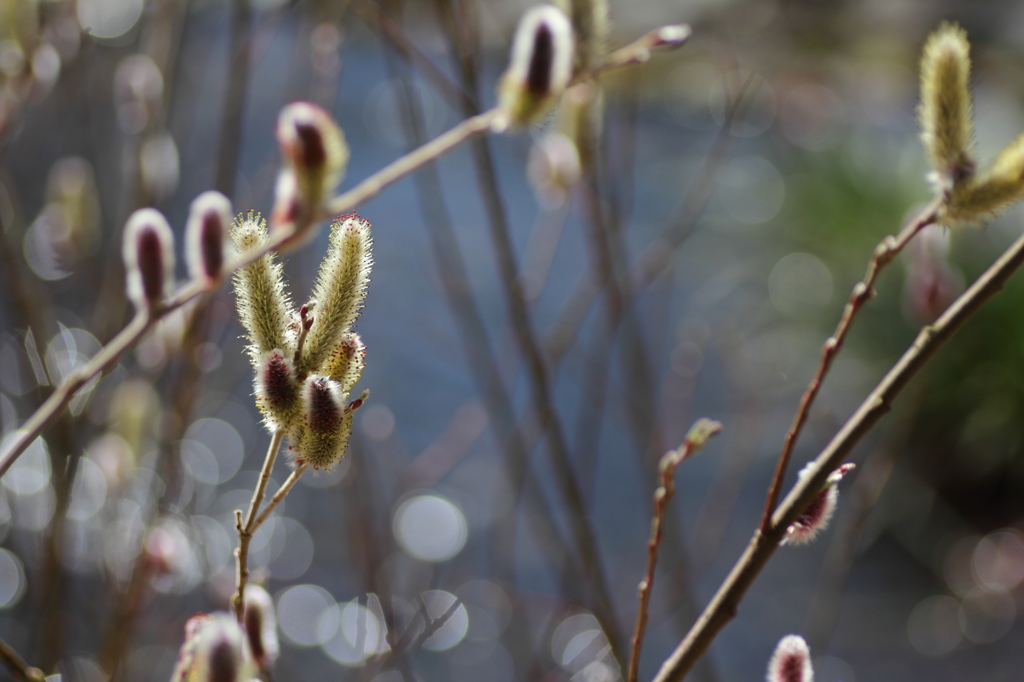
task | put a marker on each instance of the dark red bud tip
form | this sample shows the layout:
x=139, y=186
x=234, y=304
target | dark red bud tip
x=150, y=259
x=538, y=75
x=212, y=244
x=223, y=663
x=311, y=153
x=323, y=413
x=253, y=631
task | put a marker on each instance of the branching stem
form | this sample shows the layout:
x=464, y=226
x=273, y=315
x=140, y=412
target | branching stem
x=671, y=460
x=862, y=292
x=289, y=482
x=723, y=605
x=246, y=530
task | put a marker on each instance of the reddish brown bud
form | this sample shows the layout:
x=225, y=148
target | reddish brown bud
x=148, y=257
x=206, y=235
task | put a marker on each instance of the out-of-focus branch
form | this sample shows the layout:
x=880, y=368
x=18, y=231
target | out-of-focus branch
x=639, y=51
x=379, y=20
x=863, y=291
x=724, y=604
x=17, y=666
x=529, y=345
x=659, y=254
x=695, y=440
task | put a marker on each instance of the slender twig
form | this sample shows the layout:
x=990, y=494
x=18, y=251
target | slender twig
x=289, y=482
x=17, y=666
x=658, y=255
x=103, y=361
x=234, y=98
x=862, y=292
x=377, y=18
x=246, y=530
x=723, y=605
x=695, y=440
x=473, y=126
x=639, y=51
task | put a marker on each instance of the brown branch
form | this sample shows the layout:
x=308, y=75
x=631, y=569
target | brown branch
x=17, y=666
x=723, y=605
x=695, y=440
x=862, y=292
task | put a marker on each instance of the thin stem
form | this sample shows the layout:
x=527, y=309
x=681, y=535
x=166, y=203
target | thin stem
x=246, y=530
x=695, y=440
x=413, y=161
x=17, y=666
x=288, y=484
x=639, y=51
x=723, y=605
x=862, y=292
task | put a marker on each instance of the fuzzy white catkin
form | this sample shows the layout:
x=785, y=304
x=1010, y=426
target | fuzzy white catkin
x=315, y=154
x=791, y=661
x=261, y=625
x=339, y=291
x=148, y=251
x=215, y=650
x=206, y=235
x=540, y=65
x=322, y=436
x=264, y=306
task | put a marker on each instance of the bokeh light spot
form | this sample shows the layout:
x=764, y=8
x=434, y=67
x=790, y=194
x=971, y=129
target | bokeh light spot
x=299, y=609
x=799, y=284
x=430, y=528
x=934, y=626
x=454, y=629
x=12, y=579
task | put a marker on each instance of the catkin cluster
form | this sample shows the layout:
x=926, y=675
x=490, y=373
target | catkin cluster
x=947, y=130
x=306, y=362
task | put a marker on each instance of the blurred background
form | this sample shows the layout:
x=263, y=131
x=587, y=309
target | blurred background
x=689, y=262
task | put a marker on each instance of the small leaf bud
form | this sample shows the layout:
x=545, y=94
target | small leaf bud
x=947, y=129
x=818, y=513
x=206, y=236
x=148, y=257
x=315, y=155
x=791, y=661
x=540, y=65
